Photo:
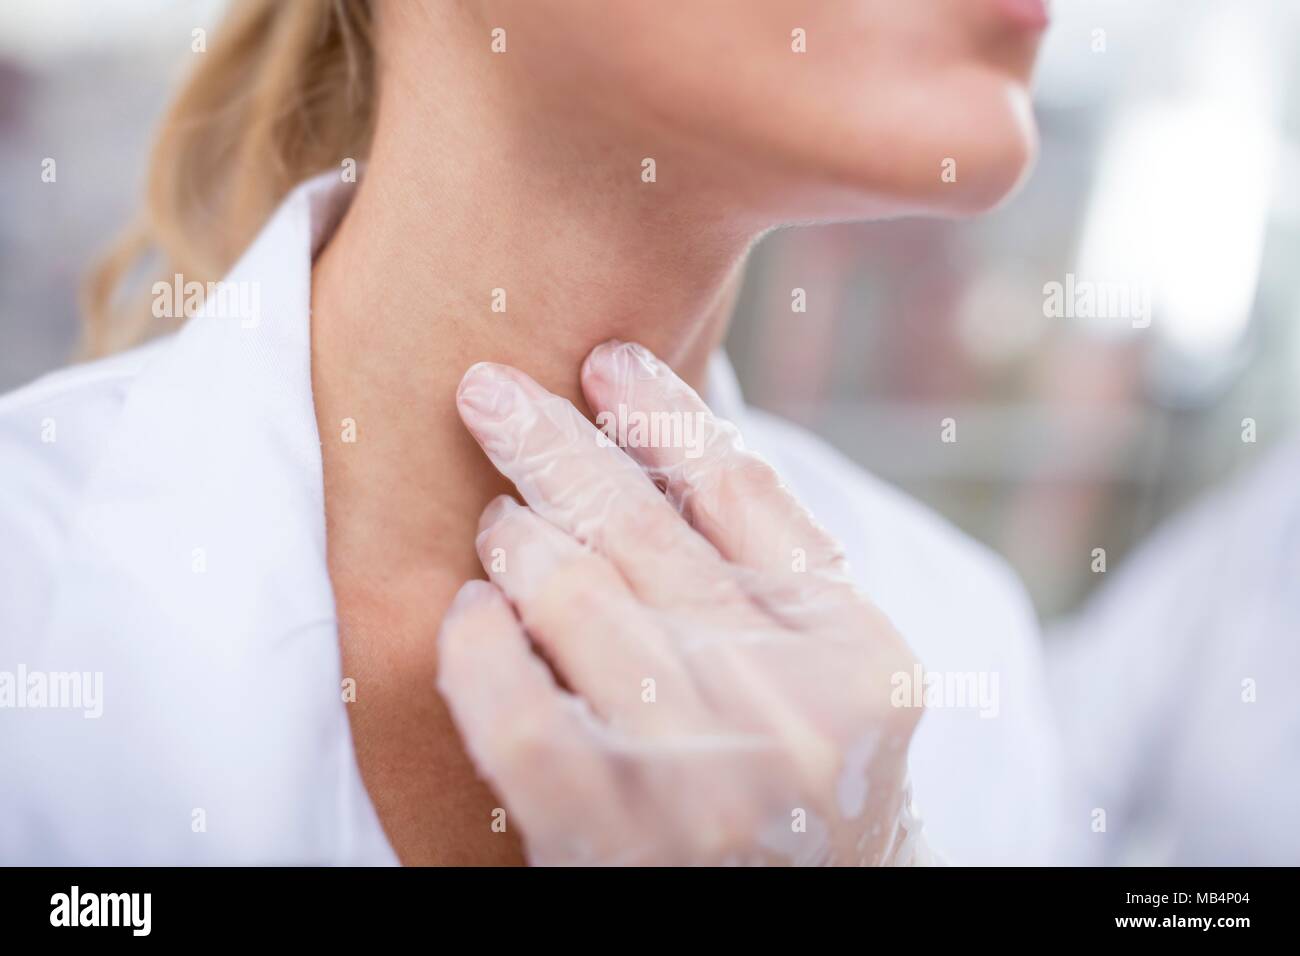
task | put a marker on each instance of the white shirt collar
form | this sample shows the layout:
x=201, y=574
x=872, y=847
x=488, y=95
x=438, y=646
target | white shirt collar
x=196, y=583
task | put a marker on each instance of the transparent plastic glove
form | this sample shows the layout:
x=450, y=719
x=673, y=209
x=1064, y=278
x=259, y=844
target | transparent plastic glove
x=717, y=692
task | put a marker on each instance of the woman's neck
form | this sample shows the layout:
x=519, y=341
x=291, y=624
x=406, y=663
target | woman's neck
x=402, y=305
x=481, y=231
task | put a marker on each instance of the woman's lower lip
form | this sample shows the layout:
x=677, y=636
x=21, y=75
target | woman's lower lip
x=1028, y=13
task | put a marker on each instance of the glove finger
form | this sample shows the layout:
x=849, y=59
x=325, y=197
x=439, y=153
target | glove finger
x=578, y=610
x=730, y=495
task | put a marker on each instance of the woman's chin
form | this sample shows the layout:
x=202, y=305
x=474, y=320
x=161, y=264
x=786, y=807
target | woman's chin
x=1001, y=157
x=997, y=173
x=963, y=162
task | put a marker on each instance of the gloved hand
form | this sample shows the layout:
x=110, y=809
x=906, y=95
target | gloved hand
x=717, y=691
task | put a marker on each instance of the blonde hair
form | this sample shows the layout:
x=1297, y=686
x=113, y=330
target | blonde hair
x=286, y=91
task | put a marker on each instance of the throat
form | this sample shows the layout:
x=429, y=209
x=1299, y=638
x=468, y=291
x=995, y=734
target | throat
x=400, y=310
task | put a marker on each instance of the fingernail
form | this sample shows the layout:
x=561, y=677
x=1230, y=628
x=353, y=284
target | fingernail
x=497, y=509
x=488, y=393
x=597, y=363
x=471, y=593
x=646, y=365
x=619, y=360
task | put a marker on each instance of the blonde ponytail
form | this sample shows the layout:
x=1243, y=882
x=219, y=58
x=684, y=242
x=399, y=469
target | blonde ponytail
x=286, y=91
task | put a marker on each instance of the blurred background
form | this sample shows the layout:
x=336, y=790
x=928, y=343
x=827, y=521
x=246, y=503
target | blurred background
x=1171, y=137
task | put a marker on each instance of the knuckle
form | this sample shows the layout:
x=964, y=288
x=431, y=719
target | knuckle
x=728, y=592
x=577, y=586
x=748, y=474
x=649, y=523
x=724, y=831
